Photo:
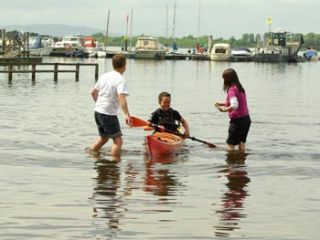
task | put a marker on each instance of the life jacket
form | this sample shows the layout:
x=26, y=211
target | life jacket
x=169, y=119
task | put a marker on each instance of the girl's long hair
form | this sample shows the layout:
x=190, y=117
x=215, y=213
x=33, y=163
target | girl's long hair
x=230, y=77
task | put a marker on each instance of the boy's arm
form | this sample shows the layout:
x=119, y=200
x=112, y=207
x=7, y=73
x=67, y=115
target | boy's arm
x=94, y=94
x=124, y=106
x=186, y=127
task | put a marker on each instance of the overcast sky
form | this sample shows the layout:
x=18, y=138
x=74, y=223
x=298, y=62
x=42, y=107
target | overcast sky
x=219, y=18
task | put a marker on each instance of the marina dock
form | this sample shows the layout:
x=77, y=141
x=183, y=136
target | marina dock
x=20, y=60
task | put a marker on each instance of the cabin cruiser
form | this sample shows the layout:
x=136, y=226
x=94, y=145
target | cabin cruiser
x=91, y=45
x=70, y=46
x=41, y=46
x=280, y=46
x=311, y=55
x=149, y=48
x=220, y=52
x=241, y=54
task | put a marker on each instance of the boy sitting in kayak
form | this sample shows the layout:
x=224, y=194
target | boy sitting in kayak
x=166, y=119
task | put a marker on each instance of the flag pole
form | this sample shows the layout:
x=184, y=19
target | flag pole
x=269, y=22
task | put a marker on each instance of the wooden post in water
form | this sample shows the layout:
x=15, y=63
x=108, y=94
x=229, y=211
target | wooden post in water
x=55, y=77
x=27, y=44
x=10, y=73
x=4, y=40
x=77, y=72
x=33, y=74
x=96, y=75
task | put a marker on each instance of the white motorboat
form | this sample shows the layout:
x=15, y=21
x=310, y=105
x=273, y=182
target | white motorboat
x=220, y=52
x=149, y=48
x=91, y=44
x=311, y=55
x=241, y=54
x=40, y=46
x=70, y=46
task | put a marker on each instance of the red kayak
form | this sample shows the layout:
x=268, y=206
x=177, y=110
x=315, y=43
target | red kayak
x=163, y=143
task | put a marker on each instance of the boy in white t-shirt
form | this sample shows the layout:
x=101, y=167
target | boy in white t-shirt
x=109, y=94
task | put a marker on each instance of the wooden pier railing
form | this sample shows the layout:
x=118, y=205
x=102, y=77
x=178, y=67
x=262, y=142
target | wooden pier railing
x=55, y=70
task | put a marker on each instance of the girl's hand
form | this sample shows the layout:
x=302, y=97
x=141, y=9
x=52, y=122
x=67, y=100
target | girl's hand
x=222, y=109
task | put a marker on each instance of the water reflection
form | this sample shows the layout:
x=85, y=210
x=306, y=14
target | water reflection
x=109, y=195
x=160, y=181
x=232, y=206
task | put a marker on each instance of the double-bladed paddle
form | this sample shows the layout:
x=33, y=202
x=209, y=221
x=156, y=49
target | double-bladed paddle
x=199, y=140
x=137, y=122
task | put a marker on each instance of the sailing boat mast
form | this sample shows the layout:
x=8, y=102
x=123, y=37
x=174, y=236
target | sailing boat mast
x=126, y=36
x=166, y=26
x=106, y=38
x=130, y=48
x=173, y=26
x=198, y=39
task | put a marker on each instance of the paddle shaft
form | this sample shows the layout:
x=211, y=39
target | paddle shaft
x=199, y=140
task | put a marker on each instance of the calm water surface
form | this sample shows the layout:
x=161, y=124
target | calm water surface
x=52, y=189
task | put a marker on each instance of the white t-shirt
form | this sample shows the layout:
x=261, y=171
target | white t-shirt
x=110, y=85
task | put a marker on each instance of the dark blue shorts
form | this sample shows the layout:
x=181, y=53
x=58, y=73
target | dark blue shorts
x=238, y=130
x=108, y=125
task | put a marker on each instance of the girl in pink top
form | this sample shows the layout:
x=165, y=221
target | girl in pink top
x=236, y=106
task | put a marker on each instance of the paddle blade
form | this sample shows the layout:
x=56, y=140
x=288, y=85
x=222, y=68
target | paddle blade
x=137, y=122
x=211, y=145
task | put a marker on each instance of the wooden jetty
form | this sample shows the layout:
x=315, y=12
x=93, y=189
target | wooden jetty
x=16, y=68
x=20, y=60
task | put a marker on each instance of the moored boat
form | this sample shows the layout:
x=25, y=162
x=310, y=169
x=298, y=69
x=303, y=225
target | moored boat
x=220, y=52
x=41, y=46
x=241, y=54
x=163, y=143
x=311, y=55
x=280, y=46
x=149, y=48
x=70, y=46
x=91, y=44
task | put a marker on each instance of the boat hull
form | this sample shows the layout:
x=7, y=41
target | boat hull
x=148, y=48
x=41, y=51
x=271, y=57
x=220, y=57
x=162, y=143
x=149, y=54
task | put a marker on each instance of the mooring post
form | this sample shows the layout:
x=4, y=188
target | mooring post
x=55, y=77
x=96, y=75
x=33, y=74
x=77, y=72
x=10, y=73
x=4, y=42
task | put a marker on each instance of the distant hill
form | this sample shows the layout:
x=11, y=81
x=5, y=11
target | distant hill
x=57, y=30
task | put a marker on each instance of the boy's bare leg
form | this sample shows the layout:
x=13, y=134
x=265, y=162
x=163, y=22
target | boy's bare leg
x=116, y=146
x=99, y=143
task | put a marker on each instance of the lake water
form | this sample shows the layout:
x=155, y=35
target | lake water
x=52, y=189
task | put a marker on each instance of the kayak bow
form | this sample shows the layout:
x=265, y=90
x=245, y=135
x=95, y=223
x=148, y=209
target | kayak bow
x=163, y=143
